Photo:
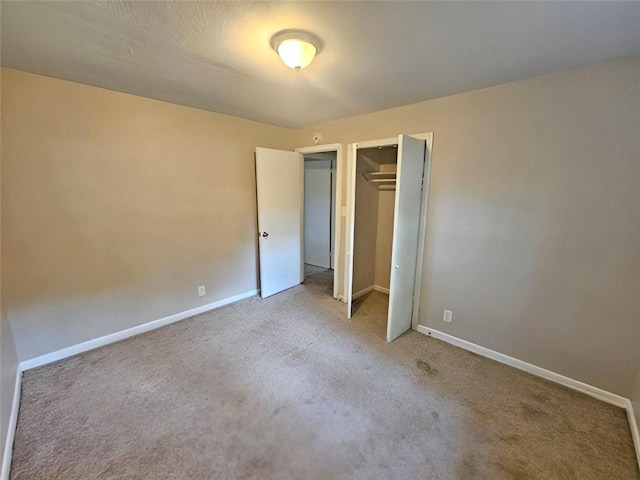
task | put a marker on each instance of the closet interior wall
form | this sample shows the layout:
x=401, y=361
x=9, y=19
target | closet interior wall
x=374, y=210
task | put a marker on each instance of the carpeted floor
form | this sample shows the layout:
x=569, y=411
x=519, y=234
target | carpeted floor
x=313, y=270
x=286, y=388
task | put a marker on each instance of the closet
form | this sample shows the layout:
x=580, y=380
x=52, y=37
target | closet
x=387, y=195
x=373, y=230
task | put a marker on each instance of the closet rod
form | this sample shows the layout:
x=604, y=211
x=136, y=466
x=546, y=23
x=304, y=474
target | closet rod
x=387, y=179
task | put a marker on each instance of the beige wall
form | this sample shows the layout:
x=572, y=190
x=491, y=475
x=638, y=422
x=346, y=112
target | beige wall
x=118, y=207
x=534, y=216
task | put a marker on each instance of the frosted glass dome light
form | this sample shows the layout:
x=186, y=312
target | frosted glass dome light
x=296, y=49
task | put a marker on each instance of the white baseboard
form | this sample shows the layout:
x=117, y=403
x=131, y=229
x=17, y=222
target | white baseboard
x=90, y=345
x=11, y=429
x=129, y=332
x=380, y=289
x=590, y=390
x=370, y=288
x=527, y=367
x=362, y=292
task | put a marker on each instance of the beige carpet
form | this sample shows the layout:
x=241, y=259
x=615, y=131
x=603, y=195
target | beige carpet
x=286, y=388
x=310, y=270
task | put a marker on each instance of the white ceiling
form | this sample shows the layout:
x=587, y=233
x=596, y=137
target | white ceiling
x=216, y=55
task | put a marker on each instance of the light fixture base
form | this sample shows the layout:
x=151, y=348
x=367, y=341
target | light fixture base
x=296, y=48
x=292, y=33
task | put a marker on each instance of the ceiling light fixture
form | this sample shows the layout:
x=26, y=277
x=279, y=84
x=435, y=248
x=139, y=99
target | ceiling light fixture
x=296, y=48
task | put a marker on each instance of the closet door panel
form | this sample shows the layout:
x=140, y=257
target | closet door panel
x=351, y=208
x=406, y=231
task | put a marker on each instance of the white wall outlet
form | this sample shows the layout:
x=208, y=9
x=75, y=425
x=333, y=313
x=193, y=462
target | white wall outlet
x=201, y=291
x=448, y=316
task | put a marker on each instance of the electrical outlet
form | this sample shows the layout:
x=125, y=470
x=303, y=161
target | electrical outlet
x=201, y=291
x=448, y=316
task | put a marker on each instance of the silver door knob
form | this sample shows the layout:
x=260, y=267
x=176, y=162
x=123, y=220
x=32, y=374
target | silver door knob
x=397, y=267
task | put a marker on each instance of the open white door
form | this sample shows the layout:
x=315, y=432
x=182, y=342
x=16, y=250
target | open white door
x=351, y=224
x=279, y=183
x=406, y=233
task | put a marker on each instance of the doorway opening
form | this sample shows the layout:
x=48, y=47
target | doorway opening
x=387, y=192
x=375, y=180
x=319, y=217
x=280, y=202
x=323, y=222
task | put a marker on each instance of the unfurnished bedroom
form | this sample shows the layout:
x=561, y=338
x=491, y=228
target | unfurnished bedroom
x=319, y=240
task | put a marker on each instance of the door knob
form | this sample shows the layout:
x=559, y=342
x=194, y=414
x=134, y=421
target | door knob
x=265, y=234
x=397, y=267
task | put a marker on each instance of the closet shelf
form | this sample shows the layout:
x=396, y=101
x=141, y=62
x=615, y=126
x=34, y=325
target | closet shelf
x=381, y=178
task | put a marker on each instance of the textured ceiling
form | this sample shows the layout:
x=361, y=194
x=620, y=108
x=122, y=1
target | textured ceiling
x=216, y=55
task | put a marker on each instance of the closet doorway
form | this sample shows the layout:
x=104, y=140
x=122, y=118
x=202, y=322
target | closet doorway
x=387, y=191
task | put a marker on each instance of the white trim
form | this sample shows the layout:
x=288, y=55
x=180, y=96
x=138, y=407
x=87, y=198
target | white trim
x=129, y=332
x=382, y=142
x=11, y=429
x=337, y=214
x=338, y=268
x=362, y=292
x=633, y=425
x=369, y=289
x=330, y=147
x=590, y=390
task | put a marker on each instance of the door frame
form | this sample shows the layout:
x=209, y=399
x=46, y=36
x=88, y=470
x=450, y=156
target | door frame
x=350, y=224
x=337, y=214
x=422, y=232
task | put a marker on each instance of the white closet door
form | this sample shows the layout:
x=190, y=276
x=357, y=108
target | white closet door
x=406, y=231
x=279, y=183
x=351, y=211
